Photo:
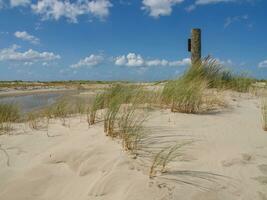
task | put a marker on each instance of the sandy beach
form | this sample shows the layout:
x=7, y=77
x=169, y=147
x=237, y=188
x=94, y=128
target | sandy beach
x=226, y=158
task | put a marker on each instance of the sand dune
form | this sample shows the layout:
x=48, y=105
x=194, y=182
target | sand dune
x=226, y=159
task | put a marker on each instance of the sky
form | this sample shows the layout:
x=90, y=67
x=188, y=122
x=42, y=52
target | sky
x=136, y=40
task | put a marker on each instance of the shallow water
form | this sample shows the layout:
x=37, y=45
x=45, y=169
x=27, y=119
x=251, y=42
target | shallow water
x=32, y=102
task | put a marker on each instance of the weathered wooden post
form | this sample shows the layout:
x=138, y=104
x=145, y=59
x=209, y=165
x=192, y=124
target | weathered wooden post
x=194, y=46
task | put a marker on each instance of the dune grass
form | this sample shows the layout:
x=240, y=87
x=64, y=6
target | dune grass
x=64, y=109
x=131, y=127
x=217, y=76
x=123, y=113
x=187, y=96
x=33, y=120
x=264, y=114
x=97, y=104
x=60, y=110
x=111, y=115
x=8, y=113
x=186, y=93
x=165, y=156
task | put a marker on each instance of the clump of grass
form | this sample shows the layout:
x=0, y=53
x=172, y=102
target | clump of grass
x=130, y=127
x=187, y=96
x=80, y=106
x=59, y=110
x=240, y=83
x=122, y=116
x=97, y=104
x=264, y=114
x=113, y=99
x=164, y=157
x=184, y=95
x=111, y=114
x=33, y=120
x=217, y=76
x=8, y=113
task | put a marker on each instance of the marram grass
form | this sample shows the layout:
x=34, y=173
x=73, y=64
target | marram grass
x=165, y=156
x=185, y=94
x=8, y=113
x=264, y=114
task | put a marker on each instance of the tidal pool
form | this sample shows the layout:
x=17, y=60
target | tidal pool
x=32, y=102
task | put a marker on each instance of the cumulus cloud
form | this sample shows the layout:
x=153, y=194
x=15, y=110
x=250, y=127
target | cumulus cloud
x=136, y=60
x=30, y=56
x=15, y=3
x=27, y=37
x=89, y=61
x=157, y=8
x=263, y=64
x=131, y=60
x=56, y=9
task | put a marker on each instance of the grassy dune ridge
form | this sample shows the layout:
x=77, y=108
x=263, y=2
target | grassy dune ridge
x=122, y=109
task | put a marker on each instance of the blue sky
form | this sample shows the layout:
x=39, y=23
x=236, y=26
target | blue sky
x=127, y=39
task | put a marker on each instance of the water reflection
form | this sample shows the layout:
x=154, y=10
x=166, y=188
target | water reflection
x=32, y=102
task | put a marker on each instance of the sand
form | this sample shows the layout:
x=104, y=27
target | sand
x=225, y=159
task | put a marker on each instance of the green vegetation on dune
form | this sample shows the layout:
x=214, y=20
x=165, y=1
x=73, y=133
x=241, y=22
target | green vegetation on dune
x=185, y=94
x=8, y=113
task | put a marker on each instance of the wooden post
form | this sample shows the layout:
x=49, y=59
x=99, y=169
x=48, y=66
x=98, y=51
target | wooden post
x=195, y=46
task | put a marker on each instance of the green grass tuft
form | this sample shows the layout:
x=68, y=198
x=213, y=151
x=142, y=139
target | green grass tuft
x=8, y=113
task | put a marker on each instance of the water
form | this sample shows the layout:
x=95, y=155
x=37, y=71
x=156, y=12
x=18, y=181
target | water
x=32, y=102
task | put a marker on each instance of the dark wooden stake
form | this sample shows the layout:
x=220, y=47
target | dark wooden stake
x=195, y=46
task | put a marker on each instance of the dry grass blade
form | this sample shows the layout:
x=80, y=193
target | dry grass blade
x=8, y=113
x=164, y=157
x=98, y=103
x=34, y=121
x=130, y=127
x=264, y=114
x=188, y=97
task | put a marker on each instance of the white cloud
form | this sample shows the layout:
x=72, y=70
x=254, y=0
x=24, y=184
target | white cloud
x=157, y=8
x=15, y=3
x=157, y=62
x=207, y=2
x=30, y=56
x=227, y=62
x=89, y=61
x=204, y=2
x=121, y=60
x=27, y=37
x=183, y=62
x=1, y=4
x=136, y=60
x=263, y=64
x=56, y=9
x=28, y=63
x=231, y=20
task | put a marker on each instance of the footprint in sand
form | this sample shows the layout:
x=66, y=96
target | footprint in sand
x=263, y=169
x=261, y=179
x=262, y=196
x=244, y=159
